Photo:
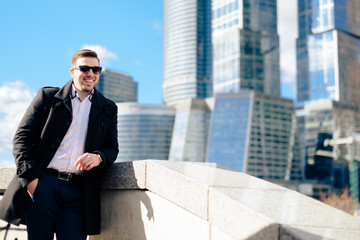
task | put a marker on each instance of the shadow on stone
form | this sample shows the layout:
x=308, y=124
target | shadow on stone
x=123, y=211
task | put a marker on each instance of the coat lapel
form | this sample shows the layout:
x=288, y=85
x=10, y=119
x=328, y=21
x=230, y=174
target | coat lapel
x=97, y=104
x=64, y=95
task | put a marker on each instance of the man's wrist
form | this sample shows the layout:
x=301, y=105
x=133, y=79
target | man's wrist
x=99, y=157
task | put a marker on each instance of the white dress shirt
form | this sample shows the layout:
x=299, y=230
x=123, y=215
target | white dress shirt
x=73, y=144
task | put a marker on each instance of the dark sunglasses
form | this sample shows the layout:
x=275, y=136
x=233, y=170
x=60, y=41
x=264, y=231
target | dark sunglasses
x=85, y=69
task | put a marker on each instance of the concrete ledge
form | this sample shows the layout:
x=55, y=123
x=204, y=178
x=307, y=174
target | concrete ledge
x=126, y=175
x=153, y=199
x=6, y=175
x=238, y=206
x=12, y=232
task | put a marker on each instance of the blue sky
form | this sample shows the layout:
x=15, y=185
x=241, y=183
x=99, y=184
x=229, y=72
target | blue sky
x=38, y=39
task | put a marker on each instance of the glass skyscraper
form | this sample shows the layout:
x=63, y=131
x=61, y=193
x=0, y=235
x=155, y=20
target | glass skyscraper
x=328, y=51
x=327, y=119
x=254, y=133
x=328, y=85
x=187, y=50
x=245, y=125
x=117, y=86
x=144, y=131
x=190, y=133
x=245, y=46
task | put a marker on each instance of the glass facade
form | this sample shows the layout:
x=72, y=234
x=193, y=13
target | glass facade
x=327, y=119
x=144, y=131
x=117, y=86
x=190, y=131
x=245, y=46
x=228, y=138
x=187, y=50
x=246, y=125
x=316, y=16
x=254, y=133
x=328, y=50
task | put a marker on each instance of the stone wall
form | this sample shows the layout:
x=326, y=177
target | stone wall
x=155, y=199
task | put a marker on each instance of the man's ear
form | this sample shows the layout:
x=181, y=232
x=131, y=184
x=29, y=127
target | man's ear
x=71, y=72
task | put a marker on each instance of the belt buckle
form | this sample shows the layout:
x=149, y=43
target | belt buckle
x=64, y=176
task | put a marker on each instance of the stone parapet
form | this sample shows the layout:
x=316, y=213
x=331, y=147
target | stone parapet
x=154, y=199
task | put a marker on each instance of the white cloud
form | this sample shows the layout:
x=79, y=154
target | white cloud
x=104, y=54
x=288, y=31
x=15, y=97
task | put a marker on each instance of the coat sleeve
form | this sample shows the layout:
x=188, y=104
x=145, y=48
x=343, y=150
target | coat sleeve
x=27, y=136
x=110, y=148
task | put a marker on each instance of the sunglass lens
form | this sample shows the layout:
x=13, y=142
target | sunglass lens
x=96, y=70
x=84, y=68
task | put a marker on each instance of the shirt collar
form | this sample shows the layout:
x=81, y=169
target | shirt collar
x=74, y=94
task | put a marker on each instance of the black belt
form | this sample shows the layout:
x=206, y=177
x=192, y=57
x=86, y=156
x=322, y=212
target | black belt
x=65, y=176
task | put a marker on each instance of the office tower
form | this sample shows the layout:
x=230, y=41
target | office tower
x=245, y=46
x=328, y=85
x=117, y=86
x=190, y=131
x=254, y=133
x=187, y=50
x=246, y=125
x=327, y=119
x=144, y=131
x=328, y=49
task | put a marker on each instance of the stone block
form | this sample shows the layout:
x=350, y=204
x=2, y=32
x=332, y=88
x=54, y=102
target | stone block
x=317, y=233
x=292, y=208
x=12, y=231
x=175, y=186
x=139, y=215
x=5, y=177
x=237, y=220
x=125, y=175
x=216, y=176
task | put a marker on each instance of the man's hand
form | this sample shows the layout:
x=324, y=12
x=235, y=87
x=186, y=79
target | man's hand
x=32, y=186
x=87, y=161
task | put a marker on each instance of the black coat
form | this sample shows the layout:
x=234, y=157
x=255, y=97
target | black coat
x=39, y=135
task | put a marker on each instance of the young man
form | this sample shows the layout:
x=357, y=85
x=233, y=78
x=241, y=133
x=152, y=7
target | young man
x=64, y=141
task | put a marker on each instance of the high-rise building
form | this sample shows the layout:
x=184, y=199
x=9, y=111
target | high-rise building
x=190, y=133
x=245, y=46
x=187, y=50
x=327, y=119
x=328, y=51
x=117, y=86
x=254, y=133
x=245, y=125
x=144, y=131
x=328, y=86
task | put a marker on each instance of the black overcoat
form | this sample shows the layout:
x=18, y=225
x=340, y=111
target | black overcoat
x=39, y=135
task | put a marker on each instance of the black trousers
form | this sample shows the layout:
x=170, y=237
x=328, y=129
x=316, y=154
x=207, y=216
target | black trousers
x=56, y=207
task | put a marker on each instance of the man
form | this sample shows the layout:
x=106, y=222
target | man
x=64, y=141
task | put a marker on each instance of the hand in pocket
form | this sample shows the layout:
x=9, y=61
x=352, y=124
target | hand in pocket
x=32, y=186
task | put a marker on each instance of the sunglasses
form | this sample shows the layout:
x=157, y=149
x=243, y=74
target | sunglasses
x=85, y=69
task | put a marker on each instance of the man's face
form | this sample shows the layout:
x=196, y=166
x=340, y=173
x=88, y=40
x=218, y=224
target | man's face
x=85, y=81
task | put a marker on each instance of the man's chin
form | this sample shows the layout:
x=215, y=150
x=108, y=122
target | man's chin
x=88, y=88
